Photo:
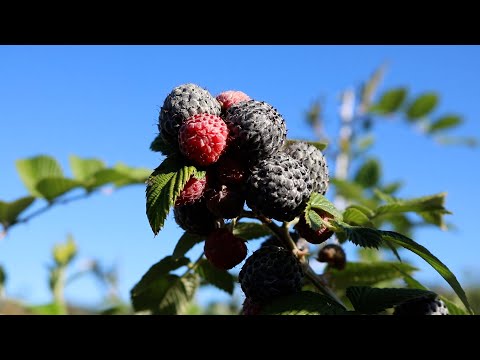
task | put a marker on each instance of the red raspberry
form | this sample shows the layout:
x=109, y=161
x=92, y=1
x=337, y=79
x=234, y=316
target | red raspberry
x=224, y=250
x=228, y=98
x=203, y=138
x=192, y=191
x=312, y=236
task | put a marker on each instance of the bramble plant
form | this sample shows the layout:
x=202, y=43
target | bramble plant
x=231, y=176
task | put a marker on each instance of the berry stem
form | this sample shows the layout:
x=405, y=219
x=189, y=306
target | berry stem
x=284, y=234
x=192, y=266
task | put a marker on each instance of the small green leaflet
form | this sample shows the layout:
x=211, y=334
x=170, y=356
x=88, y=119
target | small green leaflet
x=64, y=253
x=390, y=101
x=320, y=202
x=185, y=243
x=369, y=173
x=251, y=230
x=431, y=208
x=53, y=187
x=368, y=274
x=32, y=170
x=361, y=236
x=162, y=292
x=222, y=279
x=422, y=106
x=444, y=123
x=303, y=303
x=367, y=300
x=83, y=169
x=167, y=295
x=355, y=216
x=163, y=187
x=9, y=211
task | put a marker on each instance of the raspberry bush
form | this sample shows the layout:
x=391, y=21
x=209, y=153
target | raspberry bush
x=232, y=176
x=272, y=215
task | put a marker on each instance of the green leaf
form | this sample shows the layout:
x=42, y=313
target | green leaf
x=371, y=85
x=367, y=274
x=391, y=188
x=354, y=216
x=361, y=236
x=390, y=101
x=105, y=176
x=383, y=196
x=53, y=187
x=9, y=211
x=444, y=123
x=318, y=144
x=166, y=295
x=303, y=303
x=163, y=187
x=347, y=189
x=84, y=169
x=453, y=309
x=159, y=145
x=132, y=175
x=450, y=140
x=431, y=208
x=426, y=255
x=367, y=300
x=157, y=271
x=222, y=279
x=369, y=174
x=185, y=243
x=34, y=169
x=320, y=202
x=251, y=230
x=364, y=209
x=422, y=106
x=64, y=253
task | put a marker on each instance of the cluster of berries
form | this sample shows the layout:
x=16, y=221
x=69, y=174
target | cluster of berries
x=241, y=143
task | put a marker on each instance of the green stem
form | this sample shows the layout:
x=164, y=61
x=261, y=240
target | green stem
x=192, y=266
x=284, y=234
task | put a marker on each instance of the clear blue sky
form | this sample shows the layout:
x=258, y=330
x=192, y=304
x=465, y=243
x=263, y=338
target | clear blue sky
x=103, y=101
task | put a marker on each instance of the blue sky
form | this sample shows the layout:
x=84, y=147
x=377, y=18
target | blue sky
x=103, y=101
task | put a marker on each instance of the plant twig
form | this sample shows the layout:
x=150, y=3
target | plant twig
x=49, y=206
x=284, y=234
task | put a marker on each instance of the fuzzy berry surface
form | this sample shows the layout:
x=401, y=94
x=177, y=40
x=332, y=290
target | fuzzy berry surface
x=269, y=272
x=183, y=102
x=256, y=128
x=195, y=218
x=193, y=191
x=278, y=187
x=231, y=97
x=422, y=306
x=224, y=250
x=314, y=160
x=203, y=138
